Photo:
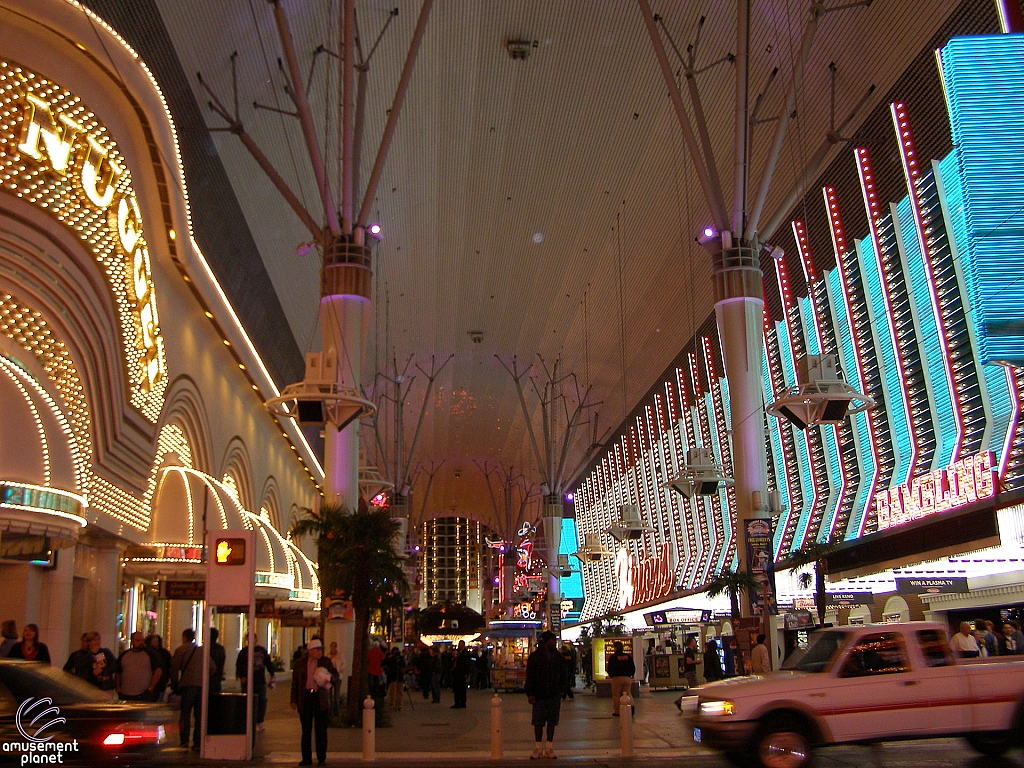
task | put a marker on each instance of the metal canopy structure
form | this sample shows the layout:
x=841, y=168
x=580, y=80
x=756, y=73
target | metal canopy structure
x=518, y=187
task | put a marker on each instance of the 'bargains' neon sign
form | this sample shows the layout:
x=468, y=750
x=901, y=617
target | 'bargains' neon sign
x=969, y=480
x=54, y=153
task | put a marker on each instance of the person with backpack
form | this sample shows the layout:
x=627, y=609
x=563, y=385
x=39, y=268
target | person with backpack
x=187, y=682
x=261, y=664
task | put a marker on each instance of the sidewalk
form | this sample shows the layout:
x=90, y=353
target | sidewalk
x=424, y=731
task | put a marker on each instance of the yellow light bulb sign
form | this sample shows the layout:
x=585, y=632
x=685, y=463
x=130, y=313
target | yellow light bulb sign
x=230, y=552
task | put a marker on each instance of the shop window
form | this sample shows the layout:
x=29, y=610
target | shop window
x=879, y=654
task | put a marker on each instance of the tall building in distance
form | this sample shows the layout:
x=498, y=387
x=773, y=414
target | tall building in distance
x=453, y=562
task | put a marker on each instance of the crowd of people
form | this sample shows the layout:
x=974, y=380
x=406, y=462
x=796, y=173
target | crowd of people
x=982, y=639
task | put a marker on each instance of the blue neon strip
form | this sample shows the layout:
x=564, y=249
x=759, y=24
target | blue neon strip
x=899, y=420
x=984, y=83
x=844, y=336
x=571, y=586
x=928, y=337
x=810, y=327
x=778, y=455
x=803, y=453
x=1000, y=399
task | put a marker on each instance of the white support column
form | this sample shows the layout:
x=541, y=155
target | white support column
x=344, y=322
x=739, y=310
x=55, y=613
x=552, y=538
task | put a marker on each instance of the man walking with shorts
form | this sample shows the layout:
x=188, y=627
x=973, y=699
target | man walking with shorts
x=545, y=681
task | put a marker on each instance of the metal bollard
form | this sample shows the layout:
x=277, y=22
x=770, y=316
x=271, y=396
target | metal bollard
x=496, y=727
x=626, y=724
x=369, y=731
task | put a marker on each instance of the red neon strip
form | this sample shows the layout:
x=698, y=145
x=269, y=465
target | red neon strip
x=911, y=172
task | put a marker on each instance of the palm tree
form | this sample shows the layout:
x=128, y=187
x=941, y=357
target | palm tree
x=733, y=584
x=356, y=557
x=816, y=553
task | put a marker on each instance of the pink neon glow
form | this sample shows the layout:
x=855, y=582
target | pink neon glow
x=1015, y=388
x=815, y=289
x=911, y=172
x=716, y=398
x=835, y=222
x=867, y=185
x=709, y=232
x=375, y=229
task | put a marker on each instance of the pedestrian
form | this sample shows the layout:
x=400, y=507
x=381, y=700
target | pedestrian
x=485, y=670
x=9, y=632
x=156, y=645
x=587, y=661
x=218, y=658
x=394, y=669
x=1007, y=643
x=690, y=661
x=1018, y=636
x=187, y=682
x=93, y=663
x=760, y=658
x=621, y=671
x=260, y=664
x=569, y=655
x=138, y=671
x=460, y=675
x=545, y=681
x=436, y=674
x=30, y=648
x=963, y=642
x=425, y=671
x=375, y=669
x=989, y=636
x=712, y=661
x=312, y=680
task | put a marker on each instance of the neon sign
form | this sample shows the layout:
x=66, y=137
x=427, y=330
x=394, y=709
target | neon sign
x=643, y=581
x=56, y=154
x=969, y=480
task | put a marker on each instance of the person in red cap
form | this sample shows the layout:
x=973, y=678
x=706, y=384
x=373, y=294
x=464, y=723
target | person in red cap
x=312, y=680
x=545, y=681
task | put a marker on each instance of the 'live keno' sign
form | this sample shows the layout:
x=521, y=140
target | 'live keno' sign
x=969, y=480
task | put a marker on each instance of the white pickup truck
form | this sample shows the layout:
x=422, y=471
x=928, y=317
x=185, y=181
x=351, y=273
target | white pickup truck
x=859, y=685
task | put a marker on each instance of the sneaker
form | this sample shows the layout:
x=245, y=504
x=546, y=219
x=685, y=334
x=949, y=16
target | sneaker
x=549, y=753
x=537, y=753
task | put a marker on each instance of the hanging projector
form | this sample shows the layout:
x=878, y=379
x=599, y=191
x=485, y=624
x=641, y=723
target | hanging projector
x=592, y=550
x=701, y=476
x=822, y=397
x=319, y=399
x=631, y=526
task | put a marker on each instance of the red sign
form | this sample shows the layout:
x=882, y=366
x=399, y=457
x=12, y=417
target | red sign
x=969, y=480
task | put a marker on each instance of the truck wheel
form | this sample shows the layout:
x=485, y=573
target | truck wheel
x=991, y=743
x=782, y=743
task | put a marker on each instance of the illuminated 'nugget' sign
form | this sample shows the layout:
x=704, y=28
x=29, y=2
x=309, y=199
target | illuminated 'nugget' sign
x=55, y=154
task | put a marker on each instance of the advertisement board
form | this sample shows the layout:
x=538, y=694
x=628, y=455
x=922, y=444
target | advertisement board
x=761, y=565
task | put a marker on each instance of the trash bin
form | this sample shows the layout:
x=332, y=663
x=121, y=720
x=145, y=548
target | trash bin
x=227, y=714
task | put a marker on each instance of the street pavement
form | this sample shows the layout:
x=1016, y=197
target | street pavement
x=436, y=735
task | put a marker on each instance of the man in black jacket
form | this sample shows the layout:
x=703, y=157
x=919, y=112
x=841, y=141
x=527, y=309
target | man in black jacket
x=460, y=673
x=545, y=681
x=621, y=671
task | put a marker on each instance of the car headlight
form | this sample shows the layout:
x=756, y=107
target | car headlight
x=717, y=708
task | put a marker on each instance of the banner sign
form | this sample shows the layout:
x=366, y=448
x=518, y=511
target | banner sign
x=930, y=586
x=646, y=580
x=678, y=616
x=804, y=604
x=761, y=565
x=846, y=599
x=183, y=590
x=969, y=480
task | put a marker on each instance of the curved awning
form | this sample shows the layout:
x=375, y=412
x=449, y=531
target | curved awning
x=307, y=582
x=39, y=462
x=187, y=502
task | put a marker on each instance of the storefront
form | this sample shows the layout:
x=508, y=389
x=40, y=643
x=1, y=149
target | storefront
x=120, y=355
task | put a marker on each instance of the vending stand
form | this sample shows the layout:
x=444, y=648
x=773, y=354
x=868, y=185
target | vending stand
x=513, y=643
